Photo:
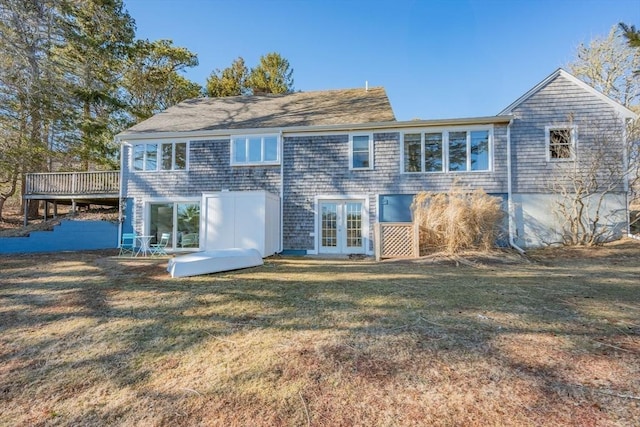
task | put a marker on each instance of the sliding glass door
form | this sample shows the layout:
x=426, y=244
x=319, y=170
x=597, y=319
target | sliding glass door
x=180, y=219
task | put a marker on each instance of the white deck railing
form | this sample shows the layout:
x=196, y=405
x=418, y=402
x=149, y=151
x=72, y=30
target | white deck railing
x=106, y=183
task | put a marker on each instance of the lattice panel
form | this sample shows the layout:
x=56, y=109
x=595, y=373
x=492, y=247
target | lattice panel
x=397, y=241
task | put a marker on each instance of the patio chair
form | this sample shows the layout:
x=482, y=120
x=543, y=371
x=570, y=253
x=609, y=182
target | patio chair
x=160, y=247
x=128, y=244
x=190, y=240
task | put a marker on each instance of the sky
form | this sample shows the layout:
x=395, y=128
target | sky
x=436, y=59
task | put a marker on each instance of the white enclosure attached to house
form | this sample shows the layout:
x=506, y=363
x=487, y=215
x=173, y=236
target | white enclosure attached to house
x=241, y=219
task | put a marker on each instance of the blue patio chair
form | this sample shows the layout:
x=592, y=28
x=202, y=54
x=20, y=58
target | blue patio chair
x=128, y=244
x=160, y=247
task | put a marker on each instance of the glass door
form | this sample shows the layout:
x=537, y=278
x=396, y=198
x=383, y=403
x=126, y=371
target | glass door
x=180, y=219
x=341, y=227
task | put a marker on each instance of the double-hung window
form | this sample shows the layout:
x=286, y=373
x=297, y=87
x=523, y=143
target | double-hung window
x=160, y=156
x=361, y=152
x=560, y=142
x=255, y=150
x=449, y=150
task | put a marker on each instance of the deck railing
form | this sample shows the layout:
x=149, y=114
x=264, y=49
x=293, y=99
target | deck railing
x=105, y=183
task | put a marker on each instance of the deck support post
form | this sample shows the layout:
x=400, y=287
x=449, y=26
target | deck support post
x=46, y=209
x=73, y=207
x=55, y=209
x=26, y=211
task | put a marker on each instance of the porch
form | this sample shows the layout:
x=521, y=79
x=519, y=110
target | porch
x=72, y=188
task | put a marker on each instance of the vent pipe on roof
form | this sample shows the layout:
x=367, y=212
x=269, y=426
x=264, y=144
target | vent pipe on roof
x=366, y=85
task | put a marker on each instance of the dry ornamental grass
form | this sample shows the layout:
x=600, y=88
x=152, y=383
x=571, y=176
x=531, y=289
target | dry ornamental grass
x=458, y=220
x=92, y=339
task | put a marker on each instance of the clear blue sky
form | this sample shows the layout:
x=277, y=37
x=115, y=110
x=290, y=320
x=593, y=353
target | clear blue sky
x=436, y=59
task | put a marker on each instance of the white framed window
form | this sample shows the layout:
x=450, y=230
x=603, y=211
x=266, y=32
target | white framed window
x=454, y=150
x=180, y=219
x=361, y=151
x=560, y=142
x=255, y=150
x=166, y=156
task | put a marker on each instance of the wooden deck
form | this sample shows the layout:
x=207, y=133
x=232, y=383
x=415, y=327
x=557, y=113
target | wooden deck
x=78, y=186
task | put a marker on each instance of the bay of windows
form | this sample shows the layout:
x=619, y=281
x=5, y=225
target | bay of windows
x=160, y=156
x=254, y=150
x=447, y=151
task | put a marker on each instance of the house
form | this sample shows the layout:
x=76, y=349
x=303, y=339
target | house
x=338, y=162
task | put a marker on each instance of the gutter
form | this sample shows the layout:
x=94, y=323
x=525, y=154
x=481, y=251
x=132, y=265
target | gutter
x=510, y=205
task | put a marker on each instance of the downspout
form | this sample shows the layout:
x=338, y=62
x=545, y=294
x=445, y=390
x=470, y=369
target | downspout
x=120, y=217
x=510, y=206
x=281, y=191
x=625, y=178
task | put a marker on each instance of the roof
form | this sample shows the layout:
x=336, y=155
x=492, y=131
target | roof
x=317, y=108
x=391, y=126
x=619, y=108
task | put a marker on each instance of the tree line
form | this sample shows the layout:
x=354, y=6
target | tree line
x=73, y=75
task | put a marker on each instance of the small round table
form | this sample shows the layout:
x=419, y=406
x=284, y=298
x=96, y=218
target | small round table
x=145, y=245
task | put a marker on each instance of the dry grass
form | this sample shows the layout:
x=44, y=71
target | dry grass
x=90, y=339
x=456, y=221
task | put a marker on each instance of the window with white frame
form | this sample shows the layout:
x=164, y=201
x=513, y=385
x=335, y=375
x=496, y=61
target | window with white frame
x=160, y=156
x=361, y=152
x=560, y=142
x=255, y=150
x=452, y=151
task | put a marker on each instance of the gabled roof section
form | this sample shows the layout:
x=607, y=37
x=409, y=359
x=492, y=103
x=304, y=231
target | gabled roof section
x=318, y=108
x=619, y=108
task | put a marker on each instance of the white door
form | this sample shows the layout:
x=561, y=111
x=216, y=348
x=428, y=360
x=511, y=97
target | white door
x=341, y=226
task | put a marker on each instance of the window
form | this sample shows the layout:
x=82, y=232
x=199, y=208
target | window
x=180, y=219
x=452, y=151
x=361, y=152
x=172, y=155
x=433, y=152
x=255, y=150
x=560, y=142
x=412, y=152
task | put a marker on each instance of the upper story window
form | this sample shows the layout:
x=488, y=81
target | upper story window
x=452, y=151
x=560, y=142
x=255, y=150
x=160, y=156
x=361, y=152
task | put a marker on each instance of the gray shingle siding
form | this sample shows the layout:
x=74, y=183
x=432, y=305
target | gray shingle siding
x=560, y=102
x=209, y=170
x=319, y=166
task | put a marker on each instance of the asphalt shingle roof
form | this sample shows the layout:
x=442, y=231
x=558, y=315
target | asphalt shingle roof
x=331, y=107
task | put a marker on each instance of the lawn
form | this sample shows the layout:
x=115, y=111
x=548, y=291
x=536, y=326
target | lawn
x=92, y=339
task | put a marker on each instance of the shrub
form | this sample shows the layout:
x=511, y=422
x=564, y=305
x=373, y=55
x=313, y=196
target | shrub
x=459, y=220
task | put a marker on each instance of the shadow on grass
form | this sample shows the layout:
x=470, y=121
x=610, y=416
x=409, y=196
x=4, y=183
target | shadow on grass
x=434, y=309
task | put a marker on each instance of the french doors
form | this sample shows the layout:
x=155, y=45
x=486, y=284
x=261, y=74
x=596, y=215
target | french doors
x=341, y=226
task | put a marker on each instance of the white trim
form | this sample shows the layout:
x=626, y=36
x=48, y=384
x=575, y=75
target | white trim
x=366, y=229
x=371, y=145
x=619, y=108
x=573, y=129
